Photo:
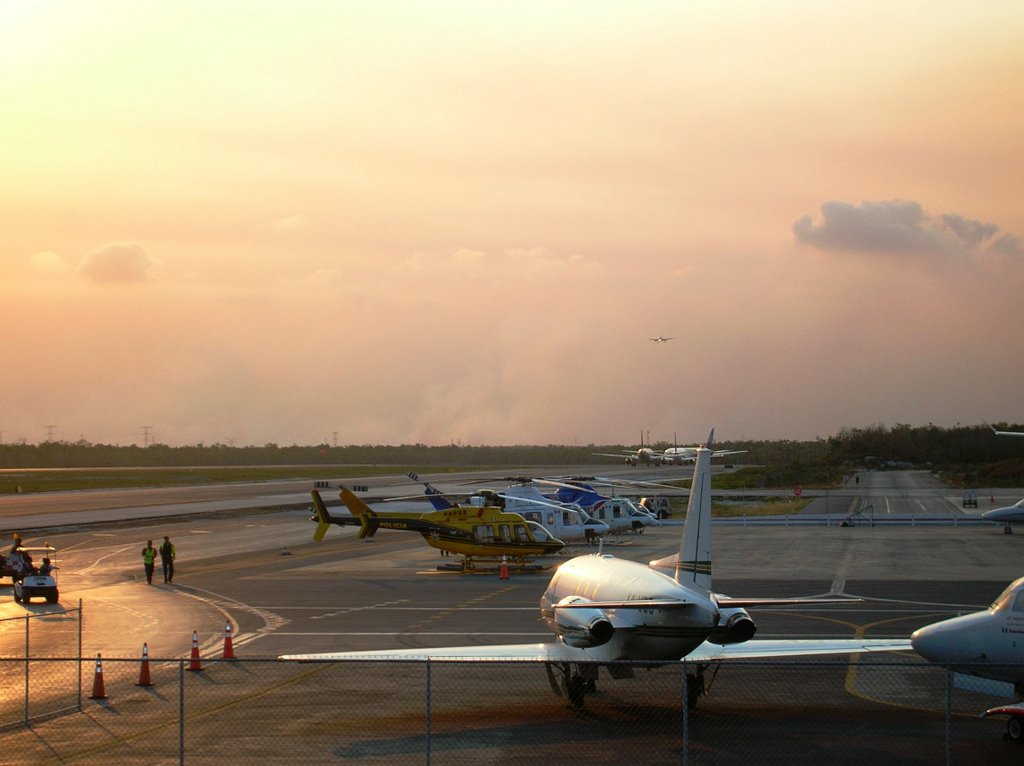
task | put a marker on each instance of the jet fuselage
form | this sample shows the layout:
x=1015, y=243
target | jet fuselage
x=989, y=644
x=678, y=620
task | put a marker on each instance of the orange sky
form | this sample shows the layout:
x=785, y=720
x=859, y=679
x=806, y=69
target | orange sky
x=462, y=221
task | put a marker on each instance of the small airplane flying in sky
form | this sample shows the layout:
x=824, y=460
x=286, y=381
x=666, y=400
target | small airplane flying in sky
x=472, y=531
x=988, y=644
x=602, y=609
x=661, y=339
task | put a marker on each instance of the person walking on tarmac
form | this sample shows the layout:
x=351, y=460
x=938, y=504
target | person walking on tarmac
x=148, y=559
x=167, y=559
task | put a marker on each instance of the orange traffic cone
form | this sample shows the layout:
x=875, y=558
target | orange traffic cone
x=229, y=650
x=98, y=692
x=194, y=662
x=144, y=679
x=503, y=570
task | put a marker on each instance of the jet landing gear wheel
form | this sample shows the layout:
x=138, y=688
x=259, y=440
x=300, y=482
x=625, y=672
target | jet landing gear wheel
x=694, y=688
x=576, y=691
x=1015, y=729
x=574, y=683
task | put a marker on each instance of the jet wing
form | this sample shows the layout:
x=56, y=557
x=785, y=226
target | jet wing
x=554, y=652
x=498, y=652
x=748, y=650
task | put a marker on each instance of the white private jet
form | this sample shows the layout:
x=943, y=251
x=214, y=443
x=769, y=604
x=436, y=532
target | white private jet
x=642, y=456
x=989, y=644
x=1011, y=514
x=680, y=455
x=603, y=609
x=669, y=456
x=661, y=339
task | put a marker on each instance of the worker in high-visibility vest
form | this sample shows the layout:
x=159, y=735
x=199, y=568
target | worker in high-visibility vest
x=149, y=560
x=167, y=555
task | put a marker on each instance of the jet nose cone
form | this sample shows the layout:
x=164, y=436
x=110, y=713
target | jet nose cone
x=946, y=643
x=928, y=643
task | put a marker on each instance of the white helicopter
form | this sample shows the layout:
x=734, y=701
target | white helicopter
x=620, y=513
x=565, y=521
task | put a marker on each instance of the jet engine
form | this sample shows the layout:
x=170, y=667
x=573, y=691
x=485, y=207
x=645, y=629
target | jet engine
x=582, y=627
x=734, y=627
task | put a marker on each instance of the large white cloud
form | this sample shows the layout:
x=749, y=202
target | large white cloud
x=901, y=226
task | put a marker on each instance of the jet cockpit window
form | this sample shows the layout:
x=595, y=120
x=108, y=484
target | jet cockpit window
x=1018, y=602
x=1005, y=599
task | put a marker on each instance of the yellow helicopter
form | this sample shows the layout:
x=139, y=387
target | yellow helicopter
x=473, y=531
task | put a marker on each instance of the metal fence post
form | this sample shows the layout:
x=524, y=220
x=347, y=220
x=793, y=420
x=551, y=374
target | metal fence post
x=181, y=712
x=26, y=668
x=949, y=718
x=427, y=722
x=686, y=716
x=79, y=654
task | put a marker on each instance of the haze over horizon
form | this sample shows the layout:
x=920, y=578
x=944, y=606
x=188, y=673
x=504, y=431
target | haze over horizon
x=461, y=222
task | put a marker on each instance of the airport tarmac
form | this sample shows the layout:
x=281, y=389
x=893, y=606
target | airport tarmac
x=286, y=594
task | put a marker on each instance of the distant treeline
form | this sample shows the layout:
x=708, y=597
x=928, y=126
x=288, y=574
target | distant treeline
x=959, y=448
x=85, y=455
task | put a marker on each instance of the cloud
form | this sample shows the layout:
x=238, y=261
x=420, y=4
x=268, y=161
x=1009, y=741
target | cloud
x=901, y=226
x=48, y=262
x=292, y=223
x=117, y=263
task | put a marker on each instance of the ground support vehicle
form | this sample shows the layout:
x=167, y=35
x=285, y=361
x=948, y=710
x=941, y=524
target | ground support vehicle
x=36, y=573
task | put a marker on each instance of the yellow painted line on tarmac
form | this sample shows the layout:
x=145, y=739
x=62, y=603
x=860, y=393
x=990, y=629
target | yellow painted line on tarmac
x=852, y=689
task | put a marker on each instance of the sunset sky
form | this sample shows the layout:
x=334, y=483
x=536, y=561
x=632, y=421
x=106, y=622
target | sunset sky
x=400, y=222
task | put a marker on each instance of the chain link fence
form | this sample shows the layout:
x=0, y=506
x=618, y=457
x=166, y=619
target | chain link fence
x=365, y=712
x=34, y=689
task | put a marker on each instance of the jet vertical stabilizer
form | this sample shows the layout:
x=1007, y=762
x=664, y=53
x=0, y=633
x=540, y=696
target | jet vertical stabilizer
x=691, y=567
